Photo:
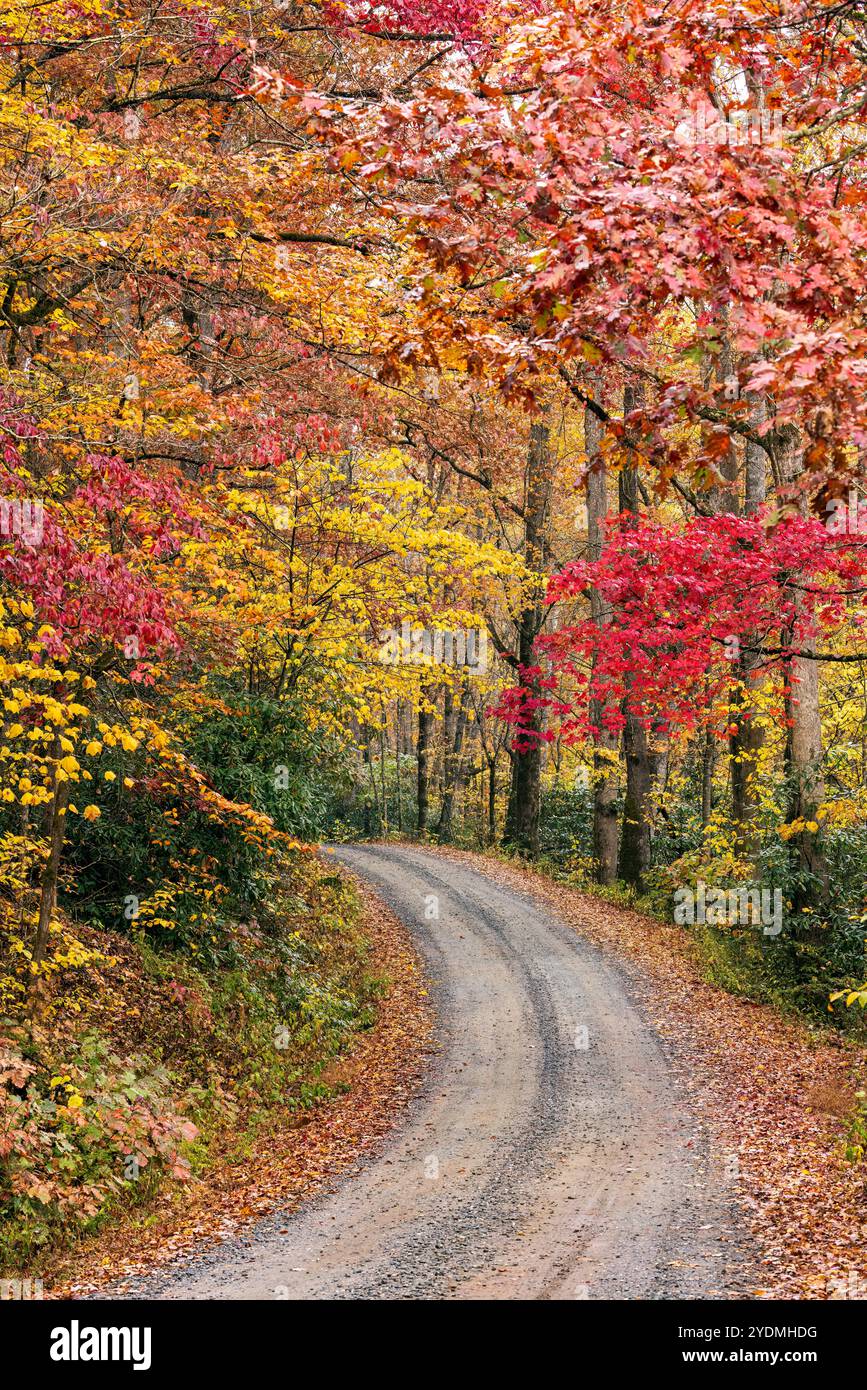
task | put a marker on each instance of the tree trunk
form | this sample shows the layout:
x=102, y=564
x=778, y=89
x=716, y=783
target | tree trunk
x=756, y=461
x=383, y=751
x=745, y=746
x=425, y=730
x=746, y=743
x=370, y=804
x=804, y=742
x=605, y=829
x=803, y=763
x=398, y=731
x=707, y=765
x=522, y=819
x=452, y=770
x=635, y=842
x=724, y=496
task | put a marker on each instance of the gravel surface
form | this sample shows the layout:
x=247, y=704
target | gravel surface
x=551, y=1154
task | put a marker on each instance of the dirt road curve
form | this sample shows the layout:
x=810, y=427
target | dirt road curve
x=532, y=1166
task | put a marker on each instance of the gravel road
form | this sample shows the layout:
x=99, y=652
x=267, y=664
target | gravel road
x=551, y=1153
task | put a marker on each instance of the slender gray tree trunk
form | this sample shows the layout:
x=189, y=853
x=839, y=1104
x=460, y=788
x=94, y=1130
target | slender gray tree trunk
x=425, y=733
x=635, y=841
x=605, y=777
x=804, y=744
x=452, y=769
x=522, y=819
